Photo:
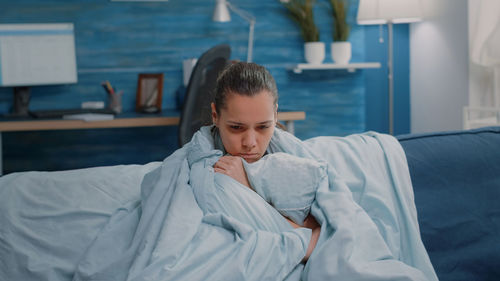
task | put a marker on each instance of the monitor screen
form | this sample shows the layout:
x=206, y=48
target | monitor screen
x=37, y=54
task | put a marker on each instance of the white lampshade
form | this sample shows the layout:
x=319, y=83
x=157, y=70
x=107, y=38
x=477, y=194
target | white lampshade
x=221, y=12
x=384, y=11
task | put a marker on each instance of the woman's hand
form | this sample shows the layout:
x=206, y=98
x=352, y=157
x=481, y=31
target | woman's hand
x=232, y=166
x=309, y=222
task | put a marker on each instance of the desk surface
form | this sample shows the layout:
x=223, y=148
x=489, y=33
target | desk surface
x=126, y=120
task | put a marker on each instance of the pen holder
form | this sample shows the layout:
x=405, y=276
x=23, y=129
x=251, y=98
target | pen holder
x=115, y=102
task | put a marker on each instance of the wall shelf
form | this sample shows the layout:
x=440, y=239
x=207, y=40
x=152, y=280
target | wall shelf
x=351, y=67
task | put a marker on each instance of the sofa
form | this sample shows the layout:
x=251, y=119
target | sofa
x=455, y=178
x=456, y=182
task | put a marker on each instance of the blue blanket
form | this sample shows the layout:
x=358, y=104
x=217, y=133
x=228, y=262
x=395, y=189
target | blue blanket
x=189, y=223
x=49, y=219
x=181, y=231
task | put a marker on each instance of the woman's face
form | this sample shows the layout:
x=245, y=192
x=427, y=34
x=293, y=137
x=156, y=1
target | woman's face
x=246, y=124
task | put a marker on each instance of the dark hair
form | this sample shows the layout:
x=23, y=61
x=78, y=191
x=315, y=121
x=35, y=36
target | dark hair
x=243, y=78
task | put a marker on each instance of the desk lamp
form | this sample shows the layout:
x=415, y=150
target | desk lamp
x=221, y=14
x=389, y=12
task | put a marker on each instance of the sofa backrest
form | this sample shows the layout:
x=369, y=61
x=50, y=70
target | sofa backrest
x=456, y=181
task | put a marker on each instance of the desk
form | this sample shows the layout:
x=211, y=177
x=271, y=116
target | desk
x=126, y=120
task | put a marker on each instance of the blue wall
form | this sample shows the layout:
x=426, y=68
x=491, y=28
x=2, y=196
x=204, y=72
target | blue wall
x=376, y=82
x=116, y=41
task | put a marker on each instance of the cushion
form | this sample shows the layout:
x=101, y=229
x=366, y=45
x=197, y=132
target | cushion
x=287, y=182
x=456, y=181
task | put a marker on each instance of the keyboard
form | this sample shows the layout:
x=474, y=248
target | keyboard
x=59, y=113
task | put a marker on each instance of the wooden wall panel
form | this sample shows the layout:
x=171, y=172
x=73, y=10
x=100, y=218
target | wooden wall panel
x=116, y=41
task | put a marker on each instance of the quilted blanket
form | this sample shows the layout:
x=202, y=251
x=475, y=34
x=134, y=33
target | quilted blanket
x=194, y=224
x=178, y=220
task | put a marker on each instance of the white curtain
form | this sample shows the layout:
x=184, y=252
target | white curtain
x=484, y=48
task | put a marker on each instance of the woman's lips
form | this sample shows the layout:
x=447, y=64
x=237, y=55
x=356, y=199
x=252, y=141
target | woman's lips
x=249, y=156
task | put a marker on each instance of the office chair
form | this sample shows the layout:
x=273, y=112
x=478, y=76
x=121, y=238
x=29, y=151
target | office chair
x=196, y=111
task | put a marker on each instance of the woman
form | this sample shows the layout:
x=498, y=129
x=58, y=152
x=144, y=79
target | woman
x=244, y=113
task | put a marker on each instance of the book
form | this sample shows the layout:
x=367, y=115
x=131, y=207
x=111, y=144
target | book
x=89, y=117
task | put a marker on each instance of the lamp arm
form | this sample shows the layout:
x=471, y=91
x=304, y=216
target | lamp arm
x=245, y=15
x=251, y=20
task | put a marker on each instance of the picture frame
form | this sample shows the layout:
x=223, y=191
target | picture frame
x=149, y=92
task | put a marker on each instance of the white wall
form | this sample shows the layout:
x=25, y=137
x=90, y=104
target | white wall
x=439, y=66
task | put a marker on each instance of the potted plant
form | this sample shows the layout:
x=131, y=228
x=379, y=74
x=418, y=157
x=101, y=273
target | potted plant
x=301, y=12
x=340, y=48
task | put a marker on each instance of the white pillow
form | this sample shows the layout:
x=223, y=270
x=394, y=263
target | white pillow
x=287, y=182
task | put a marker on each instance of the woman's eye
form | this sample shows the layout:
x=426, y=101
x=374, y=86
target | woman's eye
x=235, y=127
x=263, y=127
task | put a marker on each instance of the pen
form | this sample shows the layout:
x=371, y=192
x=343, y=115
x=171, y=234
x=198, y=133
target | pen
x=107, y=87
x=110, y=88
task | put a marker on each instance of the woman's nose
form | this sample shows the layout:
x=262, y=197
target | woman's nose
x=249, y=139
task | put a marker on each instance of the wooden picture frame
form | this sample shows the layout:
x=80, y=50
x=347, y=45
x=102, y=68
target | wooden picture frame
x=149, y=92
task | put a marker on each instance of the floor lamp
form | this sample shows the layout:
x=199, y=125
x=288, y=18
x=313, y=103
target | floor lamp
x=389, y=12
x=221, y=14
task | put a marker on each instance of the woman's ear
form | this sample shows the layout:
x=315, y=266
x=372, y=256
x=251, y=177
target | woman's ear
x=276, y=113
x=214, y=113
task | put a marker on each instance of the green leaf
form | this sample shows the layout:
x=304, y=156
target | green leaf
x=301, y=11
x=341, y=29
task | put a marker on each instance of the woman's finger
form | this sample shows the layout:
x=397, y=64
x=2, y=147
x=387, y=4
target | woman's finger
x=219, y=170
x=221, y=165
x=227, y=159
x=227, y=162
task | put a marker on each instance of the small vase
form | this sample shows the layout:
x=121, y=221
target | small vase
x=341, y=52
x=314, y=52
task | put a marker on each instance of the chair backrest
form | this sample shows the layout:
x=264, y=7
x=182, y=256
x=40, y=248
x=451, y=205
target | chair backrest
x=196, y=110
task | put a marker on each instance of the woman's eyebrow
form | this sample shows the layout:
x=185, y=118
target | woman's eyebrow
x=242, y=124
x=234, y=122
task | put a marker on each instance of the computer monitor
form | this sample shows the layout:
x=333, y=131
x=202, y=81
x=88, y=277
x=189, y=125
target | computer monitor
x=34, y=55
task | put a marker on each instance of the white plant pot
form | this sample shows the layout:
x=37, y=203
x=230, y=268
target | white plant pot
x=341, y=52
x=314, y=52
